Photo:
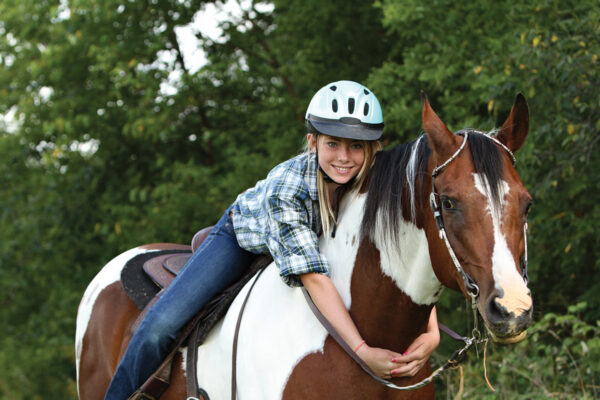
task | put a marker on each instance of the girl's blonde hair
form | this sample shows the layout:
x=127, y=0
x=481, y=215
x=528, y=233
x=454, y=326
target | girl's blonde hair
x=325, y=207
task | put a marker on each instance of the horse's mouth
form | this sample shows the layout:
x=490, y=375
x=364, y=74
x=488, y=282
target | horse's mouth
x=507, y=339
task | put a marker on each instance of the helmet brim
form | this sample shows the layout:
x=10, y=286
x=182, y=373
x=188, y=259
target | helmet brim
x=335, y=128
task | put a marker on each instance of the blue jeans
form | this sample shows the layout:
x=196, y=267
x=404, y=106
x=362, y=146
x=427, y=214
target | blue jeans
x=216, y=264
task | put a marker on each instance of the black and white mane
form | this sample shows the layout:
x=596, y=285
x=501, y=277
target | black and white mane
x=397, y=172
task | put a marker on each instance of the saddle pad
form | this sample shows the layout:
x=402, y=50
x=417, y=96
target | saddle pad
x=139, y=287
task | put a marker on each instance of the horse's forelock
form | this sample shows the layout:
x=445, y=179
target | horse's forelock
x=487, y=159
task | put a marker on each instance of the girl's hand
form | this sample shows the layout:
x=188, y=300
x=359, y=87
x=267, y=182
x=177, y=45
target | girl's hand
x=417, y=354
x=381, y=361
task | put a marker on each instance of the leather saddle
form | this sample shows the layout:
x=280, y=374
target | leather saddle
x=163, y=268
x=146, y=276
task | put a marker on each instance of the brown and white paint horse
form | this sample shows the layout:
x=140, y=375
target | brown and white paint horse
x=388, y=263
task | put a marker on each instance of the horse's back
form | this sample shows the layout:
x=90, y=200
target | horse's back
x=105, y=318
x=277, y=331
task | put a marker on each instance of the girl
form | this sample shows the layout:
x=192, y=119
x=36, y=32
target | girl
x=282, y=215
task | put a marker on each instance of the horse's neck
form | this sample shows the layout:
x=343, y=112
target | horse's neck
x=407, y=262
x=381, y=282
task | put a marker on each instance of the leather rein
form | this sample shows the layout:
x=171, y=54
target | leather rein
x=470, y=286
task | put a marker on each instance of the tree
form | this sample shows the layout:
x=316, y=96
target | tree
x=472, y=58
x=103, y=158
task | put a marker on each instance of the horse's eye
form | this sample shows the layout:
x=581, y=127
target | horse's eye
x=448, y=204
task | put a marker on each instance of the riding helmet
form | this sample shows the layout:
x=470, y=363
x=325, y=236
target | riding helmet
x=345, y=109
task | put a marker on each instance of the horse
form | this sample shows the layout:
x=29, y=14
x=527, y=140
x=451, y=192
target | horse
x=390, y=259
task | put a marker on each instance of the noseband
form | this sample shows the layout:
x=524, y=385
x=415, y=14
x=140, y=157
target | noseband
x=470, y=285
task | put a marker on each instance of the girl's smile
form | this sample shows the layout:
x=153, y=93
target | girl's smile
x=341, y=159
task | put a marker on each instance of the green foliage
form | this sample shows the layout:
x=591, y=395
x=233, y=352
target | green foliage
x=102, y=157
x=472, y=58
x=560, y=359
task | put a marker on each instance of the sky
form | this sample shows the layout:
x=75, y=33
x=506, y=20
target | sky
x=206, y=21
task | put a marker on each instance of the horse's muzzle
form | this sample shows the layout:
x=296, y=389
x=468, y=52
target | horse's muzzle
x=506, y=326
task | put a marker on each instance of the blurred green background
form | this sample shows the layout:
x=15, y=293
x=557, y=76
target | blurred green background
x=109, y=139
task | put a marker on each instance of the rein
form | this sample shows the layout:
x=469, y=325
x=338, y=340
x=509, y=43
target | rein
x=456, y=358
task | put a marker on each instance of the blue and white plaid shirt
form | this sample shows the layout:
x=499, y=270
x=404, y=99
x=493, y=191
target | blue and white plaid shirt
x=280, y=216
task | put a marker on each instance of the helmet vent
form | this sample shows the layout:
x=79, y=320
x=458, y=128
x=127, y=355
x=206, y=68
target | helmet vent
x=351, y=105
x=334, y=105
x=366, y=110
x=366, y=92
x=333, y=88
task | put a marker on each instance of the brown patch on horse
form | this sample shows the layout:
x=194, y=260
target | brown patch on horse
x=109, y=331
x=385, y=317
x=177, y=389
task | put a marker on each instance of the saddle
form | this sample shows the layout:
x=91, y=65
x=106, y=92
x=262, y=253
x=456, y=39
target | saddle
x=145, y=277
x=146, y=274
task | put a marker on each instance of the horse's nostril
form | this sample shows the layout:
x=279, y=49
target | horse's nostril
x=495, y=311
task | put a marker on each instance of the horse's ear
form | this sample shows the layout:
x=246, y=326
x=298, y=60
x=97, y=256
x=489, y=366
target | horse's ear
x=515, y=128
x=443, y=142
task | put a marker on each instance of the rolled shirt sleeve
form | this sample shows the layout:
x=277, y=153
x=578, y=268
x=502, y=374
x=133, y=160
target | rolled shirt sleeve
x=280, y=216
x=292, y=243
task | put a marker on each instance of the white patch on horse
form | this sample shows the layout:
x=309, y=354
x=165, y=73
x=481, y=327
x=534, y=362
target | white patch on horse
x=107, y=275
x=411, y=174
x=278, y=329
x=408, y=263
x=516, y=297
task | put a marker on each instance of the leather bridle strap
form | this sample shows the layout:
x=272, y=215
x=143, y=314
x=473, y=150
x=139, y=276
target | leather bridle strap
x=456, y=358
x=470, y=286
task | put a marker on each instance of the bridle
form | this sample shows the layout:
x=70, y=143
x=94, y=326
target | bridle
x=470, y=285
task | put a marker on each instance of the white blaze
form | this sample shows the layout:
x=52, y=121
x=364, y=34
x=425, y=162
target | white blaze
x=507, y=280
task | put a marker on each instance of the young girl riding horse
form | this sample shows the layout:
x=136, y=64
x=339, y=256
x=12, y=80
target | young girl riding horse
x=283, y=215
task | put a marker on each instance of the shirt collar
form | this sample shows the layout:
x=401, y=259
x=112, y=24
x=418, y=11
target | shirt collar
x=312, y=176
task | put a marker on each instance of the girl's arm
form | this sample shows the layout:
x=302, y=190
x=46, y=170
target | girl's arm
x=384, y=363
x=420, y=349
x=327, y=299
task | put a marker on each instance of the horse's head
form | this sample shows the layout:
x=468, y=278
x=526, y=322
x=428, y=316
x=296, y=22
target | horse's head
x=483, y=206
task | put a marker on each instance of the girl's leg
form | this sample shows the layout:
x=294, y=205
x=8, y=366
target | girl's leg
x=215, y=265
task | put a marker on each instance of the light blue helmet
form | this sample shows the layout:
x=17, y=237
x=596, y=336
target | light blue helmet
x=345, y=109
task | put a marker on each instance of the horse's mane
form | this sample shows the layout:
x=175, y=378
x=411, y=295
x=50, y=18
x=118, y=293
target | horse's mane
x=396, y=172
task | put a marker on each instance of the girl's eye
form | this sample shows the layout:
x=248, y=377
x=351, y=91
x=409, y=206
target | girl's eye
x=331, y=144
x=357, y=146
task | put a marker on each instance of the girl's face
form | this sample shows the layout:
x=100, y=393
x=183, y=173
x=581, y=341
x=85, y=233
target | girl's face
x=341, y=159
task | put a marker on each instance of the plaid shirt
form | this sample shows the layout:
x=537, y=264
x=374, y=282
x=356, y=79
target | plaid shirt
x=280, y=216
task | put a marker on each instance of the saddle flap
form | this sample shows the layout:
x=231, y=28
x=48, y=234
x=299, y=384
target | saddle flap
x=163, y=268
x=175, y=262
